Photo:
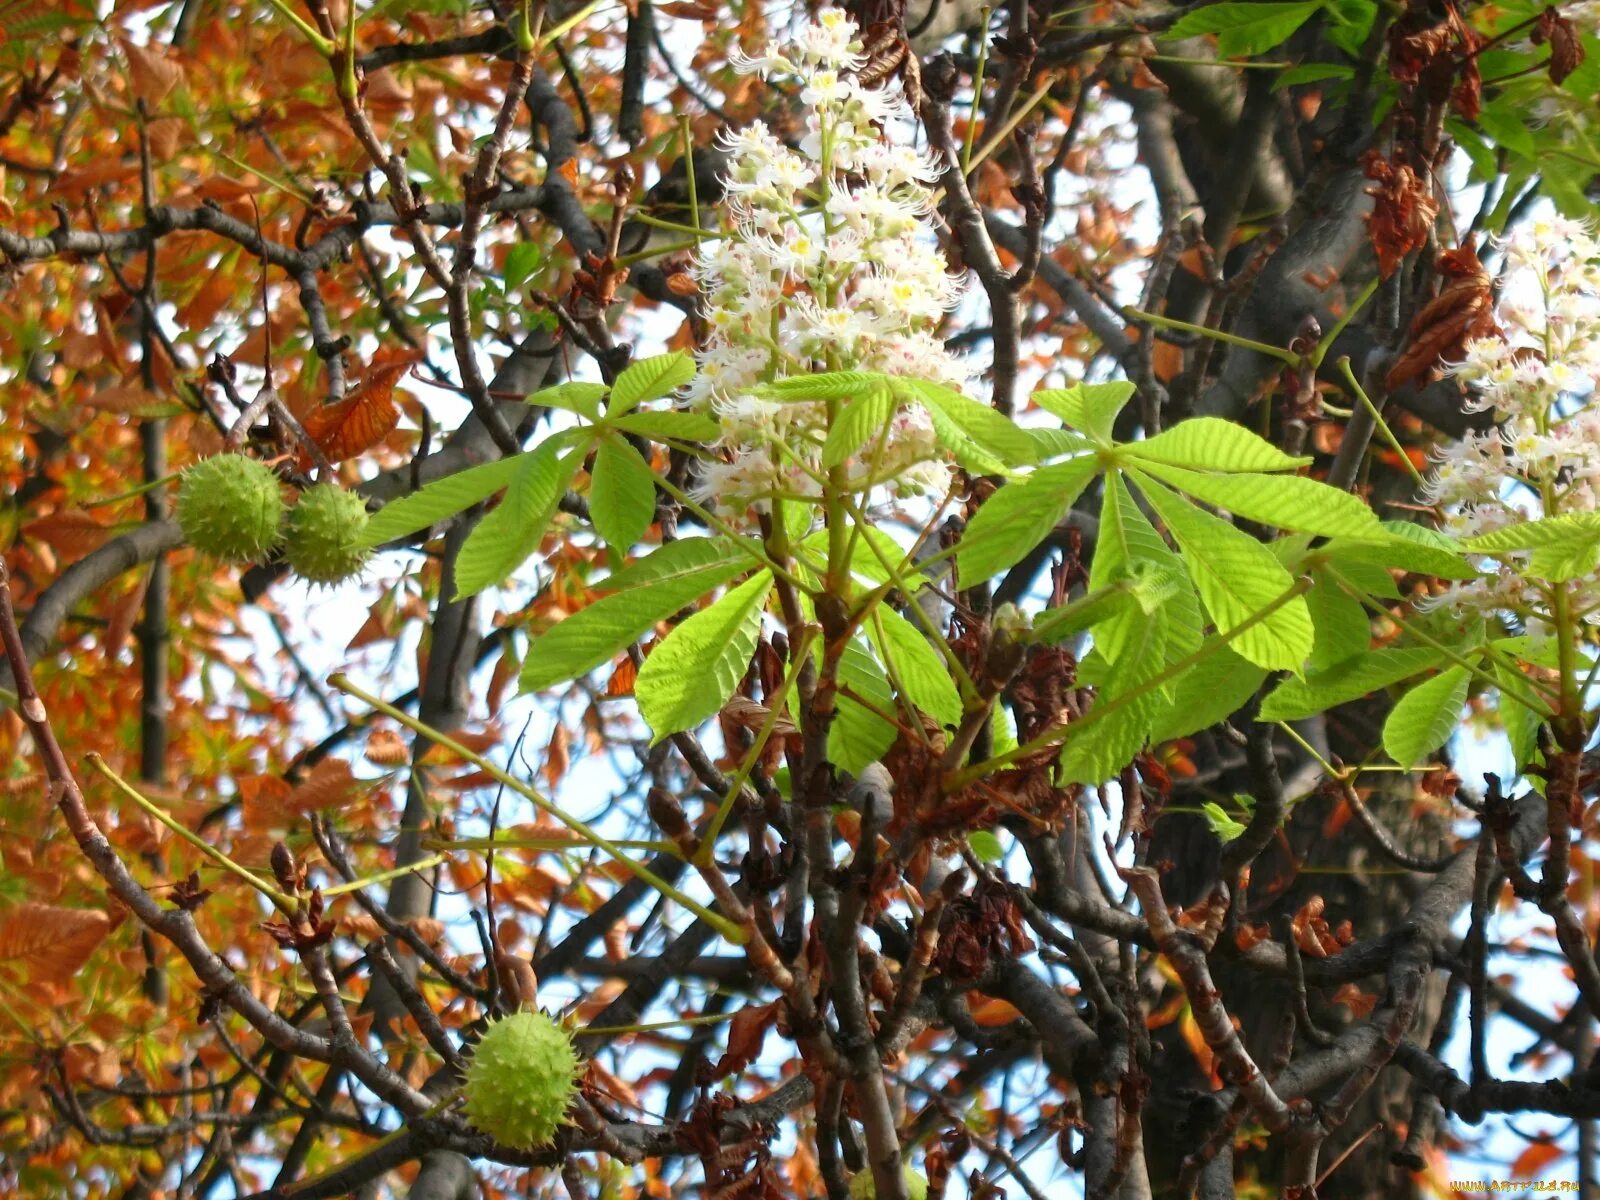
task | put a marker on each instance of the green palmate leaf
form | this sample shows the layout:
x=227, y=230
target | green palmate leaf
x=692, y=673
x=1564, y=562
x=1053, y=443
x=1406, y=545
x=991, y=432
x=831, y=385
x=1090, y=408
x=622, y=493
x=682, y=426
x=1565, y=530
x=1237, y=579
x=1019, y=516
x=1521, y=723
x=1215, y=688
x=440, y=500
x=1348, y=680
x=1211, y=444
x=1224, y=824
x=985, y=846
x=522, y=260
x=923, y=676
x=1100, y=750
x=1424, y=717
x=858, y=735
x=1129, y=548
x=1343, y=628
x=576, y=396
x=1312, y=73
x=1280, y=501
x=649, y=379
x=512, y=531
x=862, y=421
x=1244, y=28
x=650, y=590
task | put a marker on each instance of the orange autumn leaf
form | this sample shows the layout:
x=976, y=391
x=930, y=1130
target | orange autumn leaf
x=330, y=784
x=48, y=944
x=1535, y=1159
x=366, y=416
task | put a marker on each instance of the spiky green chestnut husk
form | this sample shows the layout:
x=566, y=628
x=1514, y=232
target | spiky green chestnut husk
x=861, y=1187
x=231, y=507
x=322, y=538
x=523, y=1074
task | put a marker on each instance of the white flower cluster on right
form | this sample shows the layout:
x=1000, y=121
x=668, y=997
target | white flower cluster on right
x=828, y=265
x=1538, y=376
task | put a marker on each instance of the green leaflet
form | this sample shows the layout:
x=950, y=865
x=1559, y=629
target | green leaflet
x=985, y=847
x=911, y=659
x=576, y=396
x=862, y=420
x=1278, y=501
x=859, y=736
x=522, y=260
x=1243, y=28
x=1053, y=443
x=1564, y=547
x=669, y=423
x=1406, y=545
x=651, y=590
x=1349, y=680
x=1424, y=717
x=1211, y=444
x=1098, y=751
x=512, y=531
x=830, y=385
x=649, y=379
x=996, y=435
x=1018, y=516
x=691, y=674
x=622, y=493
x=1090, y=408
x=1224, y=824
x=1212, y=690
x=1237, y=578
x=1521, y=723
x=1130, y=548
x=440, y=500
x=1343, y=627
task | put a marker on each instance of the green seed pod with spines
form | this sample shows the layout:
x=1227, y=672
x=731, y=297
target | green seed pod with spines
x=523, y=1075
x=230, y=506
x=323, y=538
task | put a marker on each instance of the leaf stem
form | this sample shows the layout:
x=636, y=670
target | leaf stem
x=728, y=929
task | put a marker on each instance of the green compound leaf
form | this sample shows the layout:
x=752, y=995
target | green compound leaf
x=622, y=493
x=1346, y=681
x=649, y=379
x=1090, y=408
x=691, y=674
x=648, y=591
x=512, y=531
x=1237, y=579
x=1019, y=516
x=1424, y=717
x=1211, y=444
x=440, y=500
x=1280, y=501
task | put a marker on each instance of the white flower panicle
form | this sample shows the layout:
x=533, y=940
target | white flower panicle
x=1538, y=376
x=827, y=264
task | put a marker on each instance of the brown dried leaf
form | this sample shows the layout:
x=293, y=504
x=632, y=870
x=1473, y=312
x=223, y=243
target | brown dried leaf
x=49, y=944
x=330, y=784
x=1566, y=51
x=747, y=1033
x=1403, y=213
x=363, y=418
x=386, y=748
x=1463, y=310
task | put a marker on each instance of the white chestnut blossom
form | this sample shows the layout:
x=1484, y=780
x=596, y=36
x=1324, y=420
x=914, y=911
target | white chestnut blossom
x=827, y=264
x=1538, y=377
